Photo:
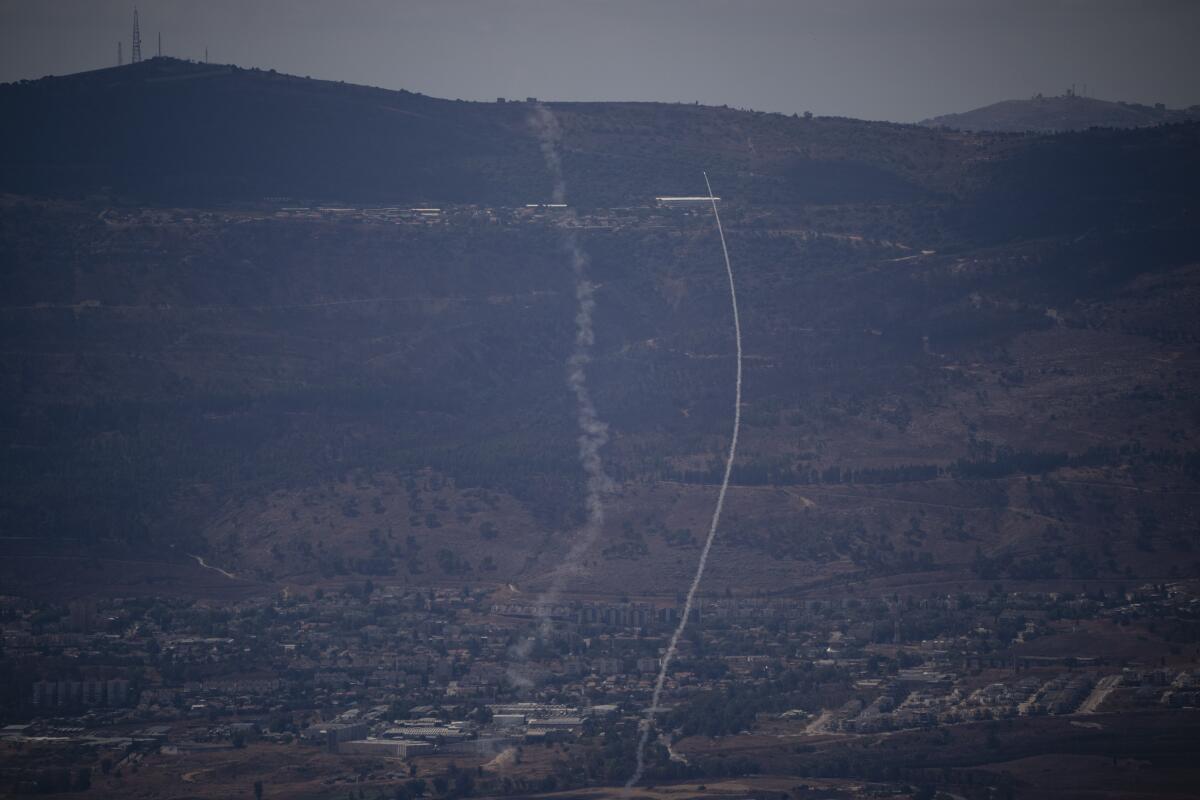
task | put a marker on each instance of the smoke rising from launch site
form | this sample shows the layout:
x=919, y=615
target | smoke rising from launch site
x=593, y=432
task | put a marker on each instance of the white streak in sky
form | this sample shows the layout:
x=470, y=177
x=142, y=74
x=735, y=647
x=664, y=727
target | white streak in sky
x=648, y=721
x=593, y=432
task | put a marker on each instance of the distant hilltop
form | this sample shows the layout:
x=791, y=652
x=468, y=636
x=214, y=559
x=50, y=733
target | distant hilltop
x=1067, y=112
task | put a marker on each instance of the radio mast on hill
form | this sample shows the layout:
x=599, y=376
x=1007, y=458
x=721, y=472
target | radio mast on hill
x=135, y=50
x=120, y=58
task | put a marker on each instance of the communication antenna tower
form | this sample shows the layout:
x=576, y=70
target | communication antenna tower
x=135, y=49
x=160, y=44
x=120, y=57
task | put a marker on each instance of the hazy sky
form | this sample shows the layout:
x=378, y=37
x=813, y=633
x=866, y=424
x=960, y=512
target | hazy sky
x=876, y=59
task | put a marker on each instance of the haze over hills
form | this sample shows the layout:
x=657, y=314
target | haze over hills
x=224, y=333
x=291, y=484
x=1066, y=112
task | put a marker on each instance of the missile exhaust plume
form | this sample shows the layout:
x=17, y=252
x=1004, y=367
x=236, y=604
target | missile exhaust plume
x=648, y=721
x=593, y=432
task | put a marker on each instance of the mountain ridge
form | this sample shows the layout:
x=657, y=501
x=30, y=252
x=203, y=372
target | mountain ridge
x=159, y=130
x=1067, y=112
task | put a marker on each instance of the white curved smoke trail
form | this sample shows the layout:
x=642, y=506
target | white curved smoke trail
x=593, y=432
x=648, y=721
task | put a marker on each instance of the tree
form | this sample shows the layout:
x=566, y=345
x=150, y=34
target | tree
x=464, y=783
x=993, y=740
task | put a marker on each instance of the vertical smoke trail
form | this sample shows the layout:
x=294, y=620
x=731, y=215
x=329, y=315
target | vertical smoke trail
x=648, y=721
x=593, y=432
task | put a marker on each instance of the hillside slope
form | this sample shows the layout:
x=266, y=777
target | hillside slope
x=1068, y=112
x=171, y=131
x=969, y=358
